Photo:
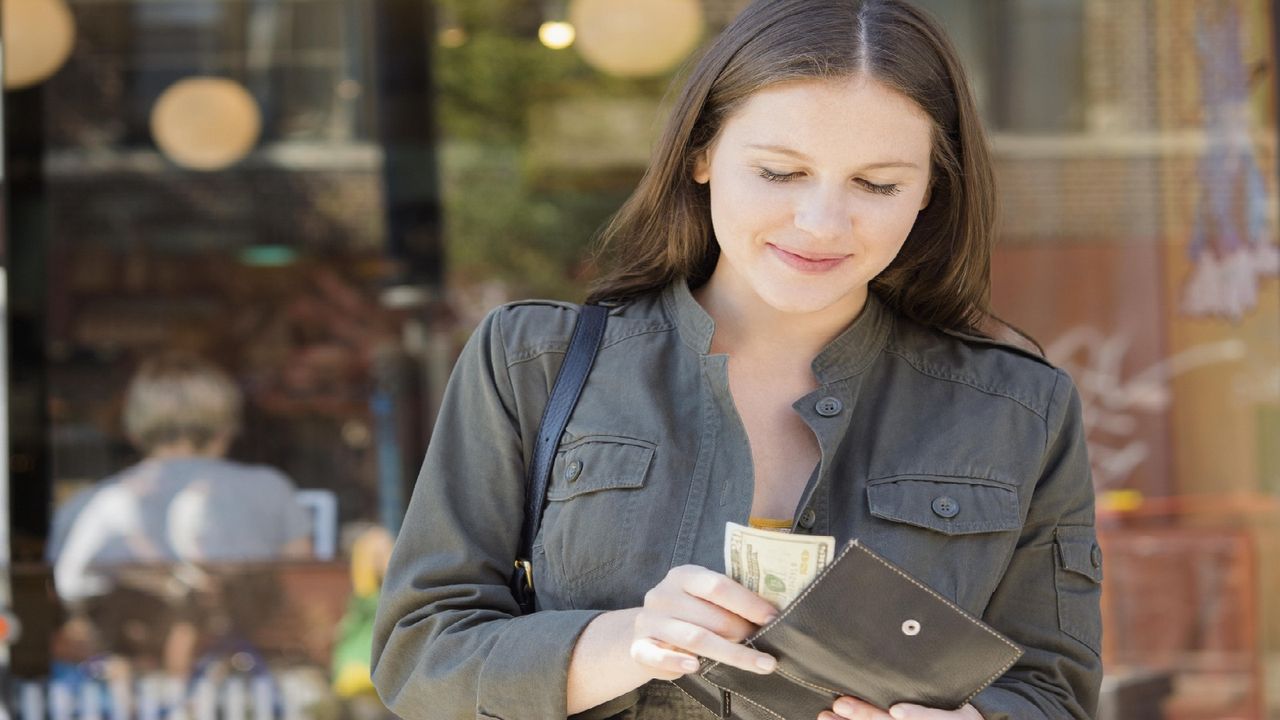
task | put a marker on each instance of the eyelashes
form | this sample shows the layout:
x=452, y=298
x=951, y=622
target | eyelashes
x=881, y=189
x=776, y=177
x=788, y=177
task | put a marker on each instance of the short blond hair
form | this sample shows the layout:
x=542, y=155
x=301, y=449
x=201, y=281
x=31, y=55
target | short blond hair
x=180, y=396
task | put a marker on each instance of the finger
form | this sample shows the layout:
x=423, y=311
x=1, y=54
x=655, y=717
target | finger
x=720, y=589
x=675, y=663
x=856, y=709
x=702, y=642
x=697, y=611
x=907, y=711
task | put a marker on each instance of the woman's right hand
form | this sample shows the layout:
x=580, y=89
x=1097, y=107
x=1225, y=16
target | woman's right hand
x=695, y=612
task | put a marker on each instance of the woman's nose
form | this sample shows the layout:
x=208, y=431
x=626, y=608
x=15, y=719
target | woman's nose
x=824, y=214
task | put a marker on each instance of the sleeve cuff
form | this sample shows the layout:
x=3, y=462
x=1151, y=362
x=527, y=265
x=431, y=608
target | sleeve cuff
x=526, y=672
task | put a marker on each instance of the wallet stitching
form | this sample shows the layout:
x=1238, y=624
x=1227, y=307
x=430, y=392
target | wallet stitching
x=852, y=544
x=753, y=702
x=992, y=679
x=807, y=684
x=699, y=702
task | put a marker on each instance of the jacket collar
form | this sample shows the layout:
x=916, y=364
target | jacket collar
x=848, y=354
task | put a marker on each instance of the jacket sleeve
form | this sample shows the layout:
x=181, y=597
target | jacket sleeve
x=448, y=639
x=1049, y=598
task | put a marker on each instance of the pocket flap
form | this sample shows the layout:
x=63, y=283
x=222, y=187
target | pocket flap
x=947, y=504
x=1078, y=551
x=599, y=462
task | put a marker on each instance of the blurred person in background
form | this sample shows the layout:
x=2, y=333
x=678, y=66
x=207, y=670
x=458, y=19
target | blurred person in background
x=185, y=502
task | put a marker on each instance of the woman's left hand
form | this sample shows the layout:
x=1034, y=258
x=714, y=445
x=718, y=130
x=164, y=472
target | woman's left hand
x=847, y=708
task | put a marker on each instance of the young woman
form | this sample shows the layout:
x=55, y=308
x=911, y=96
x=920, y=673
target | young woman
x=799, y=336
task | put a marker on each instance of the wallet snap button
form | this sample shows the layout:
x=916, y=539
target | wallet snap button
x=911, y=627
x=945, y=507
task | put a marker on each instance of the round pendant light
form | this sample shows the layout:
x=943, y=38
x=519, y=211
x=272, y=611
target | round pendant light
x=38, y=38
x=636, y=38
x=206, y=123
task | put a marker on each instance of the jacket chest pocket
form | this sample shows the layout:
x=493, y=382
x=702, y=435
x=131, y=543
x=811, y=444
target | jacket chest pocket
x=954, y=533
x=593, y=498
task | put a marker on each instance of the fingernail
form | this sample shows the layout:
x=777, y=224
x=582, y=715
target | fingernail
x=766, y=664
x=844, y=708
x=689, y=665
x=898, y=712
x=770, y=619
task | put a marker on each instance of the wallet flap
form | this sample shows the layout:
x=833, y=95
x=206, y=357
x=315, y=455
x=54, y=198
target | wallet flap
x=946, y=504
x=866, y=628
x=771, y=696
x=705, y=694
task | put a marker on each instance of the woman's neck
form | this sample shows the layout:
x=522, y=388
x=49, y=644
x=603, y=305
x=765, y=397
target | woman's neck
x=748, y=326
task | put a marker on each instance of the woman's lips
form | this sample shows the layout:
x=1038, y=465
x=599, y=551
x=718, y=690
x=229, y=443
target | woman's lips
x=806, y=264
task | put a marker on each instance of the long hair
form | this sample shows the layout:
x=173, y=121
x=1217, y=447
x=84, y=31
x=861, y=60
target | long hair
x=941, y=277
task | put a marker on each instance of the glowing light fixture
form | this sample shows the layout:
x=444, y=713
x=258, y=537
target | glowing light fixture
x=451, y=33
x=206, y=123
x=453, y=37
x=39, y=36
x=636, y=38
x=556, y=34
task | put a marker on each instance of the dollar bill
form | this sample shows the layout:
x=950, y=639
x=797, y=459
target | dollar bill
x=777, y=566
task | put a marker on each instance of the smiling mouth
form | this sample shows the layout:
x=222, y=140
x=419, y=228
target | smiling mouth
x=805, y=264
x=808, y=256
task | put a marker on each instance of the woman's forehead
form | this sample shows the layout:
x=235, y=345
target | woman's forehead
x=848, y=116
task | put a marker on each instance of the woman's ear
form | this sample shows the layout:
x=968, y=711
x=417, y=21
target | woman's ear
x=701, y=168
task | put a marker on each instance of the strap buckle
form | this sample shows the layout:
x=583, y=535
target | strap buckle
x=527, y=568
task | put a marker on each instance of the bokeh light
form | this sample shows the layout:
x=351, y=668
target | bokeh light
x=636, y=38
x=557, y=35
x=38, y=38
x=206, y=123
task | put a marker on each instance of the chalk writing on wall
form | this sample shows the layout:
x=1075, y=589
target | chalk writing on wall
x=1114, y=398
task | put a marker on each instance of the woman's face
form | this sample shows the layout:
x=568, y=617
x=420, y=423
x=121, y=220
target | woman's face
x=815, y=185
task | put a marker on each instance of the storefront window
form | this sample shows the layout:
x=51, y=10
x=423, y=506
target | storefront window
x=293, y=214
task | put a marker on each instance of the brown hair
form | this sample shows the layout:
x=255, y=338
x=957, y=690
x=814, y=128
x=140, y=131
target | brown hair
x=179, y=396
x=941, y=277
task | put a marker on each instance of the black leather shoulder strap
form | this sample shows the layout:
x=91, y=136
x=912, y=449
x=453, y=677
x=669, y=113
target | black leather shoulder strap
x=588, y=333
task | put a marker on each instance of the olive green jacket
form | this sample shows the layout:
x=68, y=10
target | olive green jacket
x=959, y=458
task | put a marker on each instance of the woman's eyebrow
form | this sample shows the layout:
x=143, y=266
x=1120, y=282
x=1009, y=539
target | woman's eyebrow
x=783, y=150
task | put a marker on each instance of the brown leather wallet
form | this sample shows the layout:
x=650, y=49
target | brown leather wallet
x=865, y=628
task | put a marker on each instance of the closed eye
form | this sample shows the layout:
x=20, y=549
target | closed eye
x=880, y=189
x=775, y=177
x=772, y=176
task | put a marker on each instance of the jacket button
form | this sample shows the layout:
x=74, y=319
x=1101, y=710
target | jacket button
x=808, y=518
x=829, y=406
x=1095, y=556
x=573, y=470
x=945, y=507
